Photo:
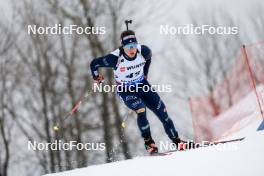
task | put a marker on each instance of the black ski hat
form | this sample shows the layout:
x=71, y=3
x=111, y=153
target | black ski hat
x=127, y=37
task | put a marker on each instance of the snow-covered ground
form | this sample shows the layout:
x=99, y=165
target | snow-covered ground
x=241, y=158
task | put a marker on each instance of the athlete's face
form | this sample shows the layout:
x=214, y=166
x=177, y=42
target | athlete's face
x=131, y=50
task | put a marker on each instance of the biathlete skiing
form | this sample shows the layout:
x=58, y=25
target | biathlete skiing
x=130, y=64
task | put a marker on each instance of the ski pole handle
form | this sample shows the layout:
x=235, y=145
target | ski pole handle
x=127, y=22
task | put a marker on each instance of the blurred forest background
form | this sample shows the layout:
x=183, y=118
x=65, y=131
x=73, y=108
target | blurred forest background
x=42, y=76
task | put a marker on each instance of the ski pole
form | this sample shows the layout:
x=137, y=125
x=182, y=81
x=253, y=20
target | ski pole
x=123, y=124
x=75, y=108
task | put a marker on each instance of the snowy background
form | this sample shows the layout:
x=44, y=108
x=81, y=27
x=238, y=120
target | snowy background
x=43, y=76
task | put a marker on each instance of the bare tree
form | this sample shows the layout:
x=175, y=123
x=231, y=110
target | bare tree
x=6, y=126
x=53, y=75
x=207, y=60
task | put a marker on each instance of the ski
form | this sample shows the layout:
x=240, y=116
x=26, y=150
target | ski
x=165, y=153
x=161, y=154
x=226, y=141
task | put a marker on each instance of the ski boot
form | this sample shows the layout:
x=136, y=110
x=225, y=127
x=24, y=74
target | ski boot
x=150, y=146
x=183, y=145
